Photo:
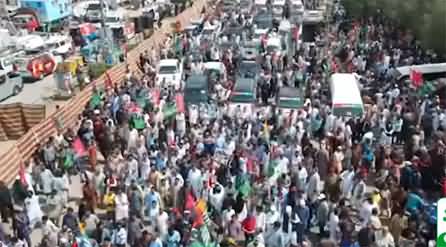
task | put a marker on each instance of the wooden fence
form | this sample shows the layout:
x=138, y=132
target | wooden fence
x=69, y=113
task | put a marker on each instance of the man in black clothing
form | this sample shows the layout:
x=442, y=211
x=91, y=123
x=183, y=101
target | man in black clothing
x=365, y=236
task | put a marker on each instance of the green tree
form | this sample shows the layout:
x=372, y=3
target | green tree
x=426, y=19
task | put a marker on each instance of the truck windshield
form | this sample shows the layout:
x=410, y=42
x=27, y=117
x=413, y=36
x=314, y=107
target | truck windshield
x=168, y=70
x=112, y=19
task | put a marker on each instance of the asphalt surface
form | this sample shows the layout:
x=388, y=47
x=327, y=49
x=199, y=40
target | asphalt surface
x=37, y=92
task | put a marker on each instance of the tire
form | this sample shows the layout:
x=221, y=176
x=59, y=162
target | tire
x=16, y=90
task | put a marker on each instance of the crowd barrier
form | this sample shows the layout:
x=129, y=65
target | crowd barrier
x=69, y=113
x=16, y=119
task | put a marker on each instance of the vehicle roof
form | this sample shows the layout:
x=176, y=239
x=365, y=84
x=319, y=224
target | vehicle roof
x=288, y=92
x=244, y=85
x=274, y=41
x=296, y=2
x=423, y=68
x=285, y=25
x=56, y=38
x=278, y=2
x=168, y=62
x=190, y=27
x=214, y=65
x=248, y=62
x=260, y=31
x=28, y=38
x=196, y=81
x=313, y=16
x=344, y=89
x=260, y=2
x=210, y=27
x=249, y=44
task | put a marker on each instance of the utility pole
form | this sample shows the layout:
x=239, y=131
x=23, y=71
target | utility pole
x=105, y=44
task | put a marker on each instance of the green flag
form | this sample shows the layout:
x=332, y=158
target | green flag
x=68, y=160
x=95, y=100
x=243, y=185
x=169, y=110
x=426, y=89
x=272, y=167
x=138, y=122
x=141, y=101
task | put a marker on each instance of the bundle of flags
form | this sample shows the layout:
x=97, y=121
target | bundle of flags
x=169, y=110
x=426, y=88
x=201, y=236
x=416, y=77
x=201, y=214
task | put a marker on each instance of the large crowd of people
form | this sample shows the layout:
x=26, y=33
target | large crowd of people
x=204, y=177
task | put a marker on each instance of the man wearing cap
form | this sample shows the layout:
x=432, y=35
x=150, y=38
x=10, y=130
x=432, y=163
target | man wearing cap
x=322, y=214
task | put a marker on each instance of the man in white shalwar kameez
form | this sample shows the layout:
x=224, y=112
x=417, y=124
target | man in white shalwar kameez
x=195, y=179
x=33, y=209
x=181, y=125
x=122, y=207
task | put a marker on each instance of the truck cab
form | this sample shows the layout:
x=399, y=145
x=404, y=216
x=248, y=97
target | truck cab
x=170, y=73
x=59, y=44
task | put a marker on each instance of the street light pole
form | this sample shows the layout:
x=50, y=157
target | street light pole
x=104, y=42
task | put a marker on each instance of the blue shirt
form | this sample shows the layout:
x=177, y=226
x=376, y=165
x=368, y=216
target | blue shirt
x=156, y=243
x=174, y=239
x=414, y=203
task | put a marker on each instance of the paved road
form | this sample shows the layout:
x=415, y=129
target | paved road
x=38, y=92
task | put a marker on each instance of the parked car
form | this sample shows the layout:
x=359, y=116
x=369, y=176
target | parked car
x=59, y=44
x=7, y=61
x=10, y=84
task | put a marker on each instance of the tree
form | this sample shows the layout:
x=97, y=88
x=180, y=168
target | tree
x=426, y=19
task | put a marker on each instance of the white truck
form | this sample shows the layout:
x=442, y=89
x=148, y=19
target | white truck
x=170, y=73
x=59, y=44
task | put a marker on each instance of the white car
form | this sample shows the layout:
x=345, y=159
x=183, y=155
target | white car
x=278, y=7
x=170, y=73
x=59, y=44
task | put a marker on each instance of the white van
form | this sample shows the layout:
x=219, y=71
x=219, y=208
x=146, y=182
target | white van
x=10, y=84
x=278, y=8
x=261, y=4
x=345, y=95
x=59, y=44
